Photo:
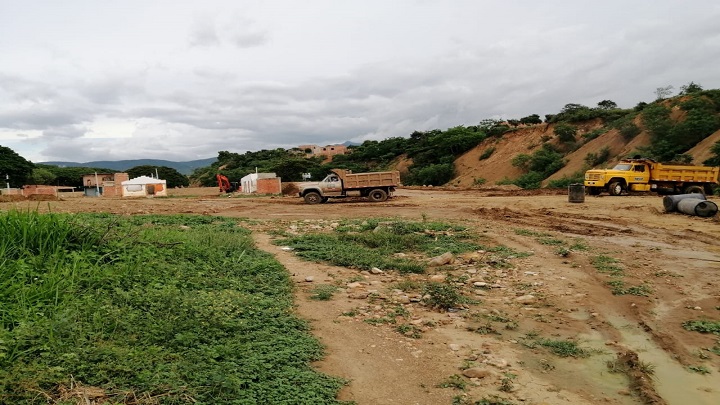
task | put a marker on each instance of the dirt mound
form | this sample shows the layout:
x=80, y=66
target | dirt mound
x=290, y=189
x=11, y=198
x=42, y=197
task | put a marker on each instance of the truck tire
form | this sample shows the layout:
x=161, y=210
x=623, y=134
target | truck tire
x=594, y=190
x=694, y=190
x=377, y=195
x=313, y=198
x=615, y=188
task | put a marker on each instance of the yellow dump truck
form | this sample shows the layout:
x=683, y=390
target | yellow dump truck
x=649, y=175
x=376, y=186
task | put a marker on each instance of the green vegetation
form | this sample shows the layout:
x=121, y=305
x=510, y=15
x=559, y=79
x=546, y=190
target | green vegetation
x=562, y=348
x=487, y=153
x=618, y=287
x=443, y=296
x=454, y=381
x=14, y=166
x=323, y=292
x=703, y=326
x=699, y=369
x=180, y=309
x=375, y=243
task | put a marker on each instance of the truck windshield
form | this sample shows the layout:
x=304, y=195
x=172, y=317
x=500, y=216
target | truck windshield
x=622, y=166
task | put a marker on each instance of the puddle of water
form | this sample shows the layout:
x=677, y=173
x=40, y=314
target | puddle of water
x=675, y=384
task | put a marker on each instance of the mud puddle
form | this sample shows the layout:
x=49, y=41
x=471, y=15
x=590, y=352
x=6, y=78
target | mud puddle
x=673, y=382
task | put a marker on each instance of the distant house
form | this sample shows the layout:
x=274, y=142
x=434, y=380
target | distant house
x=144, y=186
x=327, y=151
x=103, y=184
x=260, y=183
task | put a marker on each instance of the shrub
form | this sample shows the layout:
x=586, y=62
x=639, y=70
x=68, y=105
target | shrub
x=487, y=153
x=442, y=295
x=594, y=159
x=629, y=130
x=530, y=180
x=565, y=181
x=565, y=132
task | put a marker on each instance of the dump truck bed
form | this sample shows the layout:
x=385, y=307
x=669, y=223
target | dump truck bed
x=366, y=180
x=688, y=174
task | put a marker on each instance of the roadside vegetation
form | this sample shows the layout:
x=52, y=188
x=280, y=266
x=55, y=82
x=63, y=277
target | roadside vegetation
x=148, y=309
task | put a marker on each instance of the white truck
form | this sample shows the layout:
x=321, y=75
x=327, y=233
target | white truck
x=376, y=186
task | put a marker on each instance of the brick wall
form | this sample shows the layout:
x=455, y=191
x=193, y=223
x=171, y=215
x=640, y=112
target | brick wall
x=268, y=186
x=38, y=189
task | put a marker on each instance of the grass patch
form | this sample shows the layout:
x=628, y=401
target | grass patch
x=183, y=309
x=323, y=292
x=454, y=381
x=618, y=287
x=607, y=264
x=373, y=243
x=562, y=348
x=703, y=326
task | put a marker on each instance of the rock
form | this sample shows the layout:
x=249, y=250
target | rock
x=497, y=362
x=309, y=279
x=354, y=285
x=358, y=295
x=476, y=372
x=287, y=249
x=403, y=299
x=375, y=270
x=480, y=284
x=443, y=259
x=438, y=278
x=454, y=346
x=526, y=299
x=697, y=308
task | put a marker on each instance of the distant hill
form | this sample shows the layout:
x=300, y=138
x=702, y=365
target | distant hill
x=185, y=168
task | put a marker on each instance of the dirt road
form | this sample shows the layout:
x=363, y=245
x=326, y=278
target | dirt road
x=668, y=264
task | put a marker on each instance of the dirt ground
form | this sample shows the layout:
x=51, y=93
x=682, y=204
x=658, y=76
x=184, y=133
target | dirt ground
x=552, y=294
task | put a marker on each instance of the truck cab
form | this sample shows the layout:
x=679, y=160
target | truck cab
x=625, y=176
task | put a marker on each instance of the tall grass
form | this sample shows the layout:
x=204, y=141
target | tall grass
x=149, y=309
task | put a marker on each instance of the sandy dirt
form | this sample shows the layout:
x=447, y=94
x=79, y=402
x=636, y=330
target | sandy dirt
x=552, y=294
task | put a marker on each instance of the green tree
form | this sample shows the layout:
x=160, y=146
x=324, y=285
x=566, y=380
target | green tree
x=565, y=132
x=607, y=105
x=172, y=176
x=14, y=166
x=690, y=88
x=41, y=175
x=531, y=119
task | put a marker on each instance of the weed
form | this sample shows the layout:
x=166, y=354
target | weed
x=454, y=381
x=494, y=400
x=323, y=292
x=703, y=326
x=563, y=348
x=409, y=331
x=351, y=313
x=579, y=245
x=563, y=251
x=617, y=287
x=442, y=296
x=486, y=329
x=607, y=264
x=526, y=232
x=479, y=181
x=550, y=241
x=407, y=285
x=699, y=369
x=506, y=383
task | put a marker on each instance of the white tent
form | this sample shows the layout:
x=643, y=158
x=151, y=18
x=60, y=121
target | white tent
x=144, y=186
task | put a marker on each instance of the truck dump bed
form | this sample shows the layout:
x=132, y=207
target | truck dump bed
x=689, y=174
x=365, y=180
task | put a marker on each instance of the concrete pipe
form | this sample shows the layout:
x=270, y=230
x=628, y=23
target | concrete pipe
x=692, y=206
x=671, y=201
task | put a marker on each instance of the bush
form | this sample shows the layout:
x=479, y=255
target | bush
x=565, y=181
x=487, y=153
x=565, y=132
x=629, y=130
x=435, y=175
x=594, y=159
x=530, y=180
x=442, y=295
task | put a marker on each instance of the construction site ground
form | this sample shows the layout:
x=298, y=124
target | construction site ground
x=637, y=350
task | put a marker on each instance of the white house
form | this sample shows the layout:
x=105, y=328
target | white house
x=144, y=186
x=260, y=183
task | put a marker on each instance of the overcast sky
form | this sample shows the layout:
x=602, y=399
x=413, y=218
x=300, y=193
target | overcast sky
x=182, y=80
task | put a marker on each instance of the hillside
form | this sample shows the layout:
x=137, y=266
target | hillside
x=185, y=168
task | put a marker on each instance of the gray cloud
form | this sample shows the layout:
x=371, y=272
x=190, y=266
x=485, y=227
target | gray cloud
x=263, y=76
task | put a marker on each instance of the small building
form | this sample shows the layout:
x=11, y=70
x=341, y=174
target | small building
x=144, y=186
x=260, y=183
x=328, y=151
x=103, y=184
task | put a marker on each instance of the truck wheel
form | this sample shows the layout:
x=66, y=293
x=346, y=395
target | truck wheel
x=324, y=200
x=694, y=190
x=594, y=190
x=615, y=188
x=377, y=195
x=313, y=198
